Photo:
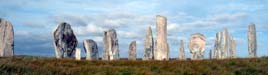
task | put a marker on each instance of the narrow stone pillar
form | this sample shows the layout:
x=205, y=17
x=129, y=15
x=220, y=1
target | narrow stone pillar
x=162, y=50
x=77, y=54
x=232, y=47
x=148, y=45
x=181, y=51
x=132, y=51
x=252, y=41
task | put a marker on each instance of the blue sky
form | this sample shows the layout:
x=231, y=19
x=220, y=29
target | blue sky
x=34, y=21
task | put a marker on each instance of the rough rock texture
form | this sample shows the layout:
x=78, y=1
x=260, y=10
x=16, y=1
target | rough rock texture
x=252, y=41
x=181, y=51
x=224, y=45
x=161, y=48
x=65, y=41
x=77, y=54
x=91, y=49
x=197, y=46
x=6, y=38
x=148, y=45
x=111, y=47
x=232, y=47
x=132, y=51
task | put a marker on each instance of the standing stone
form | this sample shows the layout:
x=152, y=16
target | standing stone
x=225, y=43
x=197, y=46
x=218, y=48
x=65, y=41
x=232, y=47
x=148, y=45
x=132, y=51
x=181, y=53
x=77, y=54
x=252, y=41
x=162, y=49
x=111, y=47
x=91, y=49
x=6, y=38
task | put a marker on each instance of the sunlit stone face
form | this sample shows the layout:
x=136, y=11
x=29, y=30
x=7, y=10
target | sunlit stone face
x=197, y=43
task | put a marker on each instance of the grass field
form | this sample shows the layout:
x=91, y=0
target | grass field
x=29, y=65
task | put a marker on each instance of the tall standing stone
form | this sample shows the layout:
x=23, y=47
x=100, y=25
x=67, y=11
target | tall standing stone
x=148, y=45
x=91, y=49
x=65, y=41
x=252, y=41
x=162, y=48
x=225, y=43
x=232, y=48
x=77, y=54
x=181, y=53
x=132, y=51
x=218, y=47
x=111, y=47
x=197, y=46
x=6, y=38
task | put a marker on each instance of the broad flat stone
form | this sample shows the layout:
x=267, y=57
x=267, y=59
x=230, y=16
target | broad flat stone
x=162, y=48
x=197, y=46
x=111, y=47
x=6, y=38
x=65, y=41
x=91, y=49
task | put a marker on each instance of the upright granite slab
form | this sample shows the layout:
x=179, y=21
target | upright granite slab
x=91, y=49
x=111, y=46
x=132, y=51
x=252, y=41
x=6, y=38
x=148, y=45
x=181, y=51
x=162, y=48
x=65, y=41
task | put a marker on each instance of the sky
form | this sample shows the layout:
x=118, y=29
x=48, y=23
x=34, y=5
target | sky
x=35, y=20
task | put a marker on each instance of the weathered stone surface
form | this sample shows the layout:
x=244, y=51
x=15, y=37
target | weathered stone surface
x=111, y=47
x=6, y=38
x=148, y=45
x=181, y=51
x=223, y=45
x=91, y=49
x=65, y=41
x=162, y=48
x=218, y=47
x=252, y=41
x=197, y=46
x=132, y=51
x=77, y=54
x=232, y=47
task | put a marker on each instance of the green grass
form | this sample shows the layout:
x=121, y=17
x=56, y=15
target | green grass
x=27, y=65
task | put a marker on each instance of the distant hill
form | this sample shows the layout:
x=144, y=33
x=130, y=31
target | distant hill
x=30, y=65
